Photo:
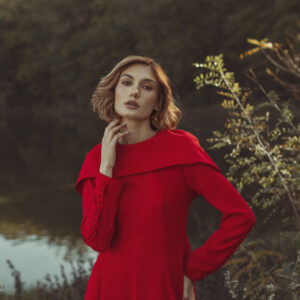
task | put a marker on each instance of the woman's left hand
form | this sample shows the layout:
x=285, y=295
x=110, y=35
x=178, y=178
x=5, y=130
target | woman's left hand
x=188, y=289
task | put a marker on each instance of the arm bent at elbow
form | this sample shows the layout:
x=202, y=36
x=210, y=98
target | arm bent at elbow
x=237, y=220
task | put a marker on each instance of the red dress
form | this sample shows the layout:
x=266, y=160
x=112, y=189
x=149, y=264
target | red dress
x=137, y=218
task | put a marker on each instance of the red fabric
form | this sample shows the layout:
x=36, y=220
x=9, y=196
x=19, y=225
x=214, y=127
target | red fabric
x=137, y=219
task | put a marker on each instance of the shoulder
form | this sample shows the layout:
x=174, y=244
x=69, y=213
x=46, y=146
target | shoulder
x=188, y=146
x=95, y=149
x=94, y=152
x=183, y=136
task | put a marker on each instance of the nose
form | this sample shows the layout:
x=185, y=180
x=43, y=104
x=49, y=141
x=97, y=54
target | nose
x=134, y=91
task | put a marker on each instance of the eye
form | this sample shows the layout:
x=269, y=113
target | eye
x=149, y=88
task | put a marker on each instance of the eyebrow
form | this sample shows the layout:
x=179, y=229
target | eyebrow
x=144, y=79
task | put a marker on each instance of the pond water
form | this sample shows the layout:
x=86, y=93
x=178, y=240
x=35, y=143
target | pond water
x=40, y=211
x=33, y=257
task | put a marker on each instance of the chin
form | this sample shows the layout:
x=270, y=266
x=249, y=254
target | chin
x=128, y=114
x=133, y=114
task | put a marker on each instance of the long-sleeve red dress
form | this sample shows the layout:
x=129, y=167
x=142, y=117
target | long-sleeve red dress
x=137, y=218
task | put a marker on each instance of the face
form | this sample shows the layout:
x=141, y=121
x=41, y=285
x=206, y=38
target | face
x=139, y=84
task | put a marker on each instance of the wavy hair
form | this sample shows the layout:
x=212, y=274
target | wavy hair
x=166, y=117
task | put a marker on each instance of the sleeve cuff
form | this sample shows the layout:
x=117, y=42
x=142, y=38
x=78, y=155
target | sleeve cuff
x=191, y=272
x=102, y=181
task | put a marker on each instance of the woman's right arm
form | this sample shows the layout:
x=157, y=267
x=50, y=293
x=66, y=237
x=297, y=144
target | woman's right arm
x=100, y=197
x=100, y=194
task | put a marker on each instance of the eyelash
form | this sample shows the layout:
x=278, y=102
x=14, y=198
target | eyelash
x=148, y=87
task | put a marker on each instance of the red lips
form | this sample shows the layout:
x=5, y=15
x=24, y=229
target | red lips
x=132, y=102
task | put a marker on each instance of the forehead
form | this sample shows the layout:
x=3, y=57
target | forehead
x=138, y=71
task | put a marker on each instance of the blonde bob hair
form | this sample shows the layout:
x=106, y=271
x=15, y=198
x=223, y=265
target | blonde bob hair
x=166, y=117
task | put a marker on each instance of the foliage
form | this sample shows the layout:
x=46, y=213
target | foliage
x=263, y=164
x=58, y=289
x=53, y=53
x=286, y=62
x=264, y=143
x=258, y=272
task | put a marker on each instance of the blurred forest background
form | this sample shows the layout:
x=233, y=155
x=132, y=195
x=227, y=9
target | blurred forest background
x=52, y=56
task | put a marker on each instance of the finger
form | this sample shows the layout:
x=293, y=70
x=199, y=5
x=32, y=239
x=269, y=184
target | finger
x=115, y=129
x=115, y=120
x=109, y=126
x=118, y=135
x=185, y=291
x=116, y=126
x=112, y=123
x=192, y=294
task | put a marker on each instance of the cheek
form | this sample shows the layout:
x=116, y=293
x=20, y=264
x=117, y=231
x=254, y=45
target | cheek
x=119, y=93
x=151, y=98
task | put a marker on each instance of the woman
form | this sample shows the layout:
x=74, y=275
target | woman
x=137, y=186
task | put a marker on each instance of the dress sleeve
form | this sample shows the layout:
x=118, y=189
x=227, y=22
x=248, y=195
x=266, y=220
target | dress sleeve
x=237, y=220
x=100, y=198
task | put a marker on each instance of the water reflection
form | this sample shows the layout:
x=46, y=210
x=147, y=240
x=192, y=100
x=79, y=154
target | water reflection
x=34, y=257
x=40, y=211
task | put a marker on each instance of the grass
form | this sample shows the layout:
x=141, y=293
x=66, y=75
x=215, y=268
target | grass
x=52, y=287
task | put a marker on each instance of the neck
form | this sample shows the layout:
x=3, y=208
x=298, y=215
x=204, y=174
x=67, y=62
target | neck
x=132, y=138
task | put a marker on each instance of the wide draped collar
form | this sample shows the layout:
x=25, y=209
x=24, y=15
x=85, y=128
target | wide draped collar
x=167, y=148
